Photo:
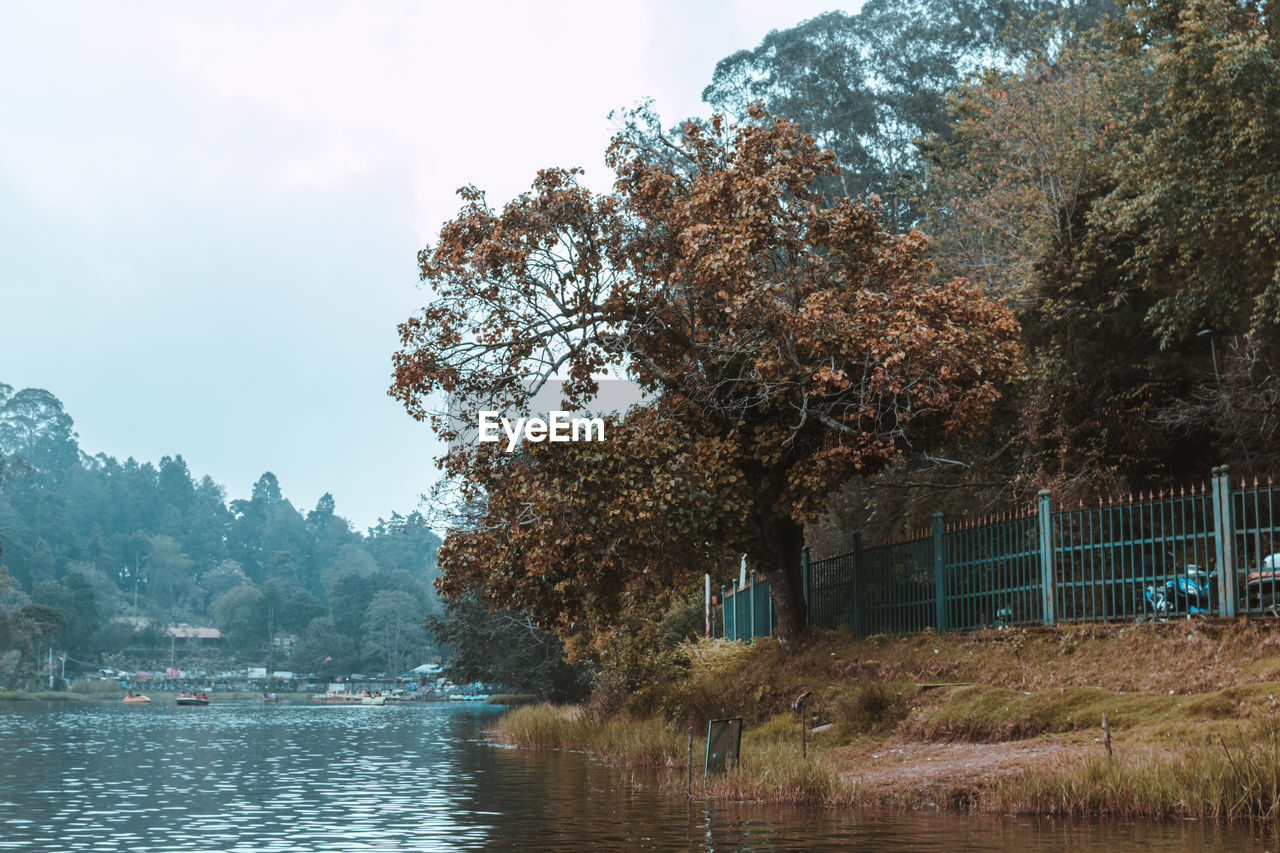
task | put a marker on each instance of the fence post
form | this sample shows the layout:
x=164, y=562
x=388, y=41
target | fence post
x=751, y=602
x=804, y=582
x=859, y=610
x=709, y=626
x=1044, y=525
x=1224, y=535
x=939, y=572
x=724, y=614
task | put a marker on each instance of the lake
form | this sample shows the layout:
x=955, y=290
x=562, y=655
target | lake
x=248, y=776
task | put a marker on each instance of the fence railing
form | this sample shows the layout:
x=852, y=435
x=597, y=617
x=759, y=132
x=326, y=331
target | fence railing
x=747, y=609
x=1213, y=549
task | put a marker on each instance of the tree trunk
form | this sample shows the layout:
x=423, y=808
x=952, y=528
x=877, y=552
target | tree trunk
x=779, y=563
x=17, y=669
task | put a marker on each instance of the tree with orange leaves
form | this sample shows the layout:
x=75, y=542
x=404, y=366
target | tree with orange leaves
x=787, y=345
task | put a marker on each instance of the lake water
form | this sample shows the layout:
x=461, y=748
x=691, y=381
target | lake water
x=246, y=776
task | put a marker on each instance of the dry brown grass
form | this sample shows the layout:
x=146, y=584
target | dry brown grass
x=1238, y=778
x=1016, y=737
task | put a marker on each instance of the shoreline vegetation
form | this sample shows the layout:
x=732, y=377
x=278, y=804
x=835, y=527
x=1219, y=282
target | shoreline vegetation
x=115, y=694
x=43, y=696
x=992, y=721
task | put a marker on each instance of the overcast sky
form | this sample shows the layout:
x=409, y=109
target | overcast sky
x=209, y=219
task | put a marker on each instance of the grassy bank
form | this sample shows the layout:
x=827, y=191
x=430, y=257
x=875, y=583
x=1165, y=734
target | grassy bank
x=45, y=696
x=1229, y=781
x=511, y=700
x=1001, y=721
x=771, y=768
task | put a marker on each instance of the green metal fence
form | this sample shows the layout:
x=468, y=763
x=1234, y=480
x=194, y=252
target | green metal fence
x=747, y=609
x=1106, y=557
x=898, y=587
x=834, y=595
x=993, y=573
x=1254, y=553
x=1105, y=562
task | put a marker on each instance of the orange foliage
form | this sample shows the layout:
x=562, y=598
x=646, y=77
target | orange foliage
x=789, y=344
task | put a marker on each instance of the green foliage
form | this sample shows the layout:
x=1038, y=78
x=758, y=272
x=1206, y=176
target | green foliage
x=35, y=428
x=685, y=620
x=349, y=597
x=505, y=647
x=868, y=85
x=1196, y=190
x=74, y=598
x=326, y=651
x=1101, y=189
x=241, y=615
x=298, y=610
x=393, y=633
x=125, y=549
x=169, y=574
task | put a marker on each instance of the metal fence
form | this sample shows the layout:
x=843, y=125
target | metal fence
x=1211, y=549
x=992, y=573
x=747, y=609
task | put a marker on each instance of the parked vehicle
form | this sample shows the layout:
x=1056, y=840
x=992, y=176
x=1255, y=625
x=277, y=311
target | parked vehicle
x=1262, y=587
x=1195, y=591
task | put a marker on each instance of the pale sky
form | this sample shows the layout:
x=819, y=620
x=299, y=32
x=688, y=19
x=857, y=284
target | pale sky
x=210, y=216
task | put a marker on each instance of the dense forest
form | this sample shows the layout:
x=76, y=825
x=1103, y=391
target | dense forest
x=101, y=557
x=1099, y=166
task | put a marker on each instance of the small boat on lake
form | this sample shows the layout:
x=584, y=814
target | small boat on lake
x=132, y=698
x=270, y=697
x=193, y=699
x=374, y=700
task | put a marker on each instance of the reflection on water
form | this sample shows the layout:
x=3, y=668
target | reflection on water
x=252, y=777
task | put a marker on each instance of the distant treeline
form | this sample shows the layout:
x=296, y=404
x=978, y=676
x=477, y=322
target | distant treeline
x=123, y=550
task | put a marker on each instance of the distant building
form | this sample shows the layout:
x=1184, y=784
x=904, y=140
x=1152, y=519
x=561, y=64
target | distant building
x=197, y=637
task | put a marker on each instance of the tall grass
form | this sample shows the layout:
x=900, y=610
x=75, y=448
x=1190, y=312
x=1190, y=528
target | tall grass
x=771, y=768
x=1230, y=779
x=641, y=743
x=511, y=700
x=1233, y=779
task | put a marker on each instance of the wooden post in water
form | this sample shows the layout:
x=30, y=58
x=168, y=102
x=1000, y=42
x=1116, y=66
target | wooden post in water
x=1106, y=734
x=688, y=780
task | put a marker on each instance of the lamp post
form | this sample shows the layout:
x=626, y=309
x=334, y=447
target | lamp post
x=1213, y=353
